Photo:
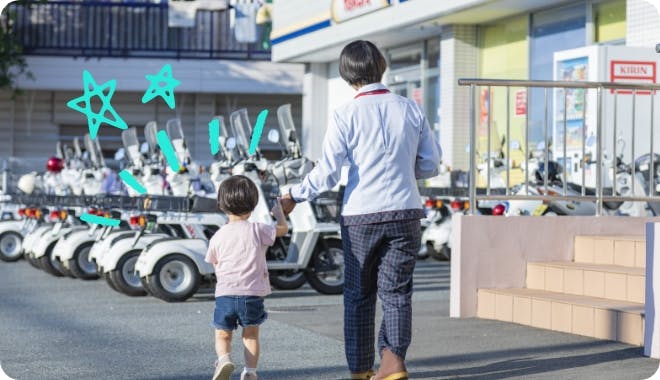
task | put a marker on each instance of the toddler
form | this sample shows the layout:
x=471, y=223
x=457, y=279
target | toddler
x=238, y=253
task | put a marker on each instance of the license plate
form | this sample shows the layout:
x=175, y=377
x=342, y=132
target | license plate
x=56, y=230
x=540, y=210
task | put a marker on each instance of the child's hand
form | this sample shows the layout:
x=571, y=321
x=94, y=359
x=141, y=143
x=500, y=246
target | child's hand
x=282, y=226
x=277, y=210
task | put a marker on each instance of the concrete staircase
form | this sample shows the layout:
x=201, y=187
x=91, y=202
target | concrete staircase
x=600, y=294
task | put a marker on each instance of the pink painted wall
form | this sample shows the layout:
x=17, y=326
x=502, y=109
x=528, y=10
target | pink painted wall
x=493, y=251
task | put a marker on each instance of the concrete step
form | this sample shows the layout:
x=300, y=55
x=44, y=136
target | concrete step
x=582, y=315
x=612, y=282
x=628, y=251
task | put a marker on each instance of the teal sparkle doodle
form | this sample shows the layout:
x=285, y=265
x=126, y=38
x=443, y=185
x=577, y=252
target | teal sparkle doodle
x=155, y=89
x=214, y=136
x=89, y=218
x=131, y=181
x=258, y=130
x=168, y=150
x=83, y=105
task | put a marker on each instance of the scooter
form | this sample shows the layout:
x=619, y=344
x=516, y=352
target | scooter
x=12, y=232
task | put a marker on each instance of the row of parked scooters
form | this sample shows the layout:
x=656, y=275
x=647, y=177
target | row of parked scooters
x=159, y=243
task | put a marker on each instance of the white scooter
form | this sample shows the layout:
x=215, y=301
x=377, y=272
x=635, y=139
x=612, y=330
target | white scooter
x=12, y=232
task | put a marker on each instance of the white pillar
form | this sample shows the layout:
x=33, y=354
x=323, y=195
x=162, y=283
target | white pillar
x=651, y=319
x=315, y=109
x=459, y=53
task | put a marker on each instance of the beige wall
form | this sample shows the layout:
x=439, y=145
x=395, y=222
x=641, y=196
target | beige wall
x=492, y=251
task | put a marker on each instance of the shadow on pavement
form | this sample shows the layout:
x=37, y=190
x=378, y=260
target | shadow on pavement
x=523, y=367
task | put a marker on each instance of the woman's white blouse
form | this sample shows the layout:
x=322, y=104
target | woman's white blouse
x=387, y=143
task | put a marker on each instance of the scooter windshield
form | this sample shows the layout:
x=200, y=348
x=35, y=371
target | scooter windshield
x=132, y=145
x=240, y=123
x=95, y=154
x=150, y=134
x=288, y=136
x=230, y=154
x=175, y=132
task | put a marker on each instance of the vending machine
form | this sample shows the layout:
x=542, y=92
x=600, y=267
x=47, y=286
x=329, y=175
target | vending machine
x=575, y=114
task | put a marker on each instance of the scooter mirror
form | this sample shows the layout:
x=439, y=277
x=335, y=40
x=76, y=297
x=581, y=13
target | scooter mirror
x=231, y=143
x=120, y=154
x=274, y=136
x=144, y=148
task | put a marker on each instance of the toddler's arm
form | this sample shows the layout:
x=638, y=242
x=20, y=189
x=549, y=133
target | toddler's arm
x=282, y=227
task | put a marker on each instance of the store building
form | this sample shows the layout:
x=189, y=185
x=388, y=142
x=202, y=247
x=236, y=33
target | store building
x=430, y=44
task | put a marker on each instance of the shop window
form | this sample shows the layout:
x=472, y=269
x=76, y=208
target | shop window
x=552, y=31
x=405, y=57
x=610, y=21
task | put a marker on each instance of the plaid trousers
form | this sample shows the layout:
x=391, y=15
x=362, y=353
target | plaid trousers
x=379, y=260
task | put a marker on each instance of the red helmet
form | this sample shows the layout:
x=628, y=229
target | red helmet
x=54, y=165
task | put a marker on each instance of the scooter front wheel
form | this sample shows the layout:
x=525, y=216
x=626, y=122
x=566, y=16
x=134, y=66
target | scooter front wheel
x=175, y=278
x=11, y=246
x=81, y=266
x=283, y=279
x=32, y=260
x=50, y=264
x=443, y=255
x=325, y=272
x=124, y=279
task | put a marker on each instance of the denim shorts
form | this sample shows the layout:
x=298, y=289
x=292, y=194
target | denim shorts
x=231, y=311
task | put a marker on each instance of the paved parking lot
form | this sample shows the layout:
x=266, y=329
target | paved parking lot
x=56, y=328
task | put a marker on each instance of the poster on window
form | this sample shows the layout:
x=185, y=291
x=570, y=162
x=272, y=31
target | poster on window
x=570, y=103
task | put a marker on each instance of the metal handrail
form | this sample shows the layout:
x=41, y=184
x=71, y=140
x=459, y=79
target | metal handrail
x=556, y=84
x=600, y=88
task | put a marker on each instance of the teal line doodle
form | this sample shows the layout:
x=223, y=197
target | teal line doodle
x=258, y=130
x=104, y=92
x=155, y=89
x=89, y=218
x=214, y=136
x=131, y=181
x=168, y=151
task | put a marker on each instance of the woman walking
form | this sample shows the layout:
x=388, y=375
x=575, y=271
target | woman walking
x=386, y=141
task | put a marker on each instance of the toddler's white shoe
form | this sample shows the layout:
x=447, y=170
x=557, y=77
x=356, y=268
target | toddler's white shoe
x=223, y=368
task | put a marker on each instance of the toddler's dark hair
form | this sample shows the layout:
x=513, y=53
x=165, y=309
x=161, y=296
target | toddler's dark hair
x=361, y=63
x=237, y=195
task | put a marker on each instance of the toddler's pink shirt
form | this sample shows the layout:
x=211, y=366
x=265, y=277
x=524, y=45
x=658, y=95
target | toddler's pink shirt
x=238, y=253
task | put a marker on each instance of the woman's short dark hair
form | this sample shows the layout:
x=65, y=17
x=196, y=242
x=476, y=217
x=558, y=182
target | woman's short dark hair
x=237, y=195
x=361, y=63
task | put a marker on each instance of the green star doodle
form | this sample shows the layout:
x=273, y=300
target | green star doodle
x=83, y=104
x=155, y=89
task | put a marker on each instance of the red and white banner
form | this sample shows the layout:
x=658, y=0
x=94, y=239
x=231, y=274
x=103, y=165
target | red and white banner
x=343, y=10
x=633, y=72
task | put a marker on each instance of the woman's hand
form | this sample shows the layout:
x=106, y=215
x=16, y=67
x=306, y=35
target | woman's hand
x=287, y=203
